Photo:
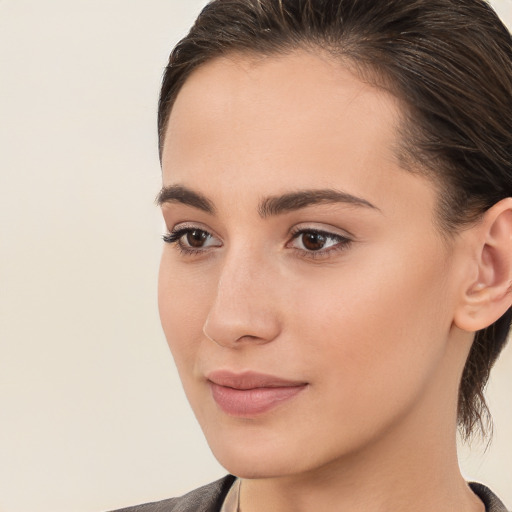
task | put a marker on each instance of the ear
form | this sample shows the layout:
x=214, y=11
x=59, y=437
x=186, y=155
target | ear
x=488, y=296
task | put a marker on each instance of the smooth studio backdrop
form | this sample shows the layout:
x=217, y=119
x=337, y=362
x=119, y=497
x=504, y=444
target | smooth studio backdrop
x=92, y=415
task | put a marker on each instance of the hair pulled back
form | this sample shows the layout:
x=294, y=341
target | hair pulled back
x=448, y=61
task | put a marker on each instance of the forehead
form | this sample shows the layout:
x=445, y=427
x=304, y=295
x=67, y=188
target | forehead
x=299, y=119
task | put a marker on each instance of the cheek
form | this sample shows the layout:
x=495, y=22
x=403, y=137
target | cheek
x=375, y=329
x=182, y=306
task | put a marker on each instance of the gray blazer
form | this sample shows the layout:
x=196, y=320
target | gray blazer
x=210, y=498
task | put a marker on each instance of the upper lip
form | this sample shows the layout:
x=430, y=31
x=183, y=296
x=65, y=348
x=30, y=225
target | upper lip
x=249, y=380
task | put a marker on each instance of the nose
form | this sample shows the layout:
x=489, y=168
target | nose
x=245, y=307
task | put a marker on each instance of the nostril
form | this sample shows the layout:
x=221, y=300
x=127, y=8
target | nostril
x=241, y=312
x=235, y=333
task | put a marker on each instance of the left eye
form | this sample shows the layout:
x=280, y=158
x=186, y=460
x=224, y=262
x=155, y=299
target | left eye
x=314, y=241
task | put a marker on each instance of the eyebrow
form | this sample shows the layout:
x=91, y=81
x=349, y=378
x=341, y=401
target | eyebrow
x=276, y=205
x=184, y=195
x=269, y=206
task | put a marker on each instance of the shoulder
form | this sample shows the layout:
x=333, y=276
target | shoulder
x=208, y=498
x=491, y=501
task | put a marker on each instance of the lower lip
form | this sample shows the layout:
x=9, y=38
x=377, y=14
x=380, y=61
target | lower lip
x=251, y=402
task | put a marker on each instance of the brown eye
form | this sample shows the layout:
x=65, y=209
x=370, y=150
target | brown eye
x=196, y=238
x=192, y=239
x=318, y=244
x=313, y=241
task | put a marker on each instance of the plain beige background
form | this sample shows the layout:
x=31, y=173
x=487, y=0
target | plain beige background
x=92, y=416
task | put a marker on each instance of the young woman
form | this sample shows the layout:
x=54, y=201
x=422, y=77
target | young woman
x=335, y=284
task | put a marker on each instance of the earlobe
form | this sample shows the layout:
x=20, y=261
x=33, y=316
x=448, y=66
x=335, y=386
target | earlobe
x=487, y=298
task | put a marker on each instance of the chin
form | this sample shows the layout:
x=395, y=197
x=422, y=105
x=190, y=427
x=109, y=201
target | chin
x=259, y=457
x=257, y=467
x=255, y=456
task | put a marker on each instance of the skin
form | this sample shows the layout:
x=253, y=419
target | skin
x=369, y=324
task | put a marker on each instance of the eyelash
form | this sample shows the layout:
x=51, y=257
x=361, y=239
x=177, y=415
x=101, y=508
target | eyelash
x=175, y=236
x=341, y=242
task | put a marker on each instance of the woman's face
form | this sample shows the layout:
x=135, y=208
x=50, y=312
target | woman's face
x=305, y=292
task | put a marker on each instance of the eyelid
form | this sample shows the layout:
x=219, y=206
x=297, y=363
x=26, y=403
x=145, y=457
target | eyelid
x=321, y=228
x=190, y=225
x=181, y=226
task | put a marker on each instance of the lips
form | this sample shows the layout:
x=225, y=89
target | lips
x=249, y=393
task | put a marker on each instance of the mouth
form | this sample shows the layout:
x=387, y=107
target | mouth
x=250, y=394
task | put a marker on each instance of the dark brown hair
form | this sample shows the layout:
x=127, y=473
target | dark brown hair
x=448, y=61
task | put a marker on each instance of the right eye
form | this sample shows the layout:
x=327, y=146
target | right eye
x=191, y=240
